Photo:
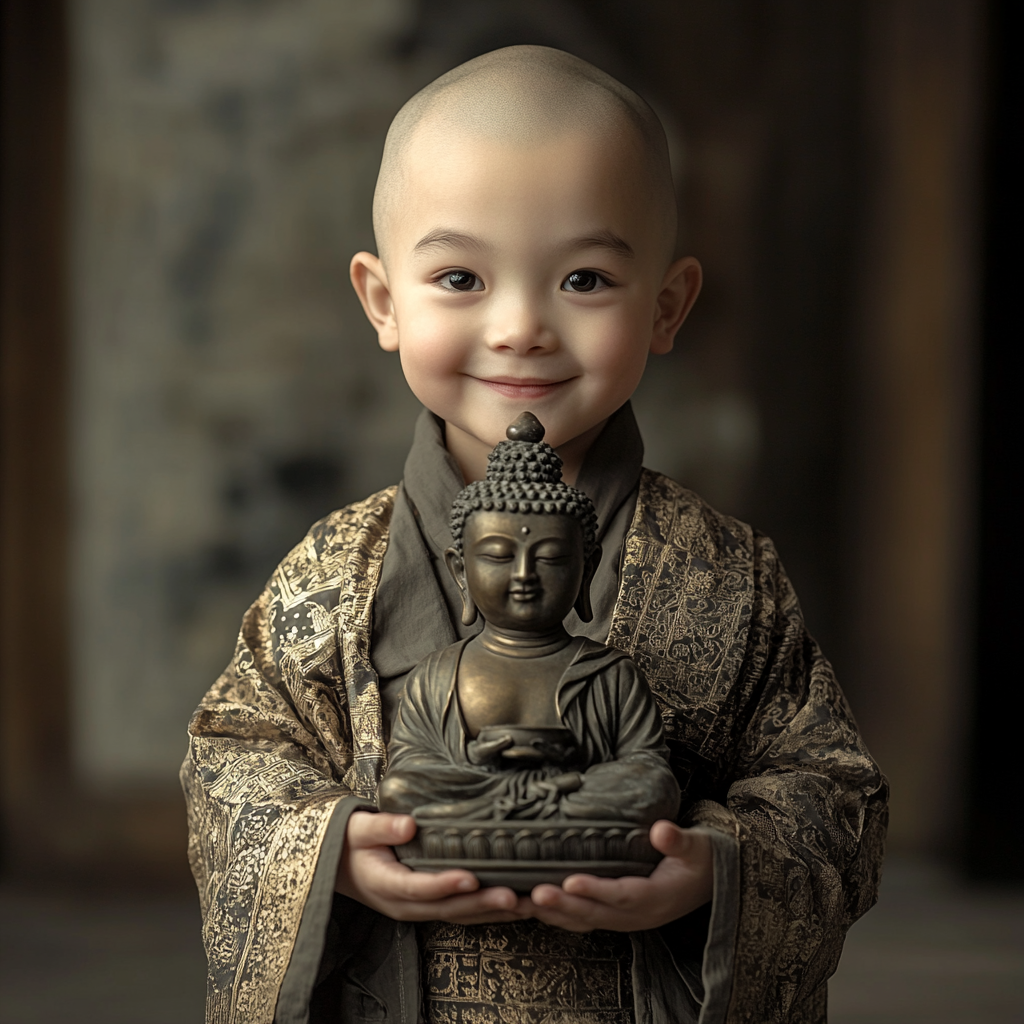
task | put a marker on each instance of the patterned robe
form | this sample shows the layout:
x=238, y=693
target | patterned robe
x=756, y=725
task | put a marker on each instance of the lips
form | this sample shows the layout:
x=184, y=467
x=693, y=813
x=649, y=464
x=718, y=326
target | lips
x=522, y=387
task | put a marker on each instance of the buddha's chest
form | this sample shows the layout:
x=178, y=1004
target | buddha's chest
x=505, y=691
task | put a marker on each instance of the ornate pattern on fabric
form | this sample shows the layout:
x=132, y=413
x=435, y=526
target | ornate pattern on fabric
x=761, y=731
x=761, y=740
x=291, y=726
x=524, y=973
x=684, y=607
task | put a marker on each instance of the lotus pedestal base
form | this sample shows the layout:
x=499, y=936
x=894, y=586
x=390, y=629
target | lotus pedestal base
x=522, y=854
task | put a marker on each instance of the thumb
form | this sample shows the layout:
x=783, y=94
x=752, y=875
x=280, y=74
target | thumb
x=673, y=841
x=367, y=828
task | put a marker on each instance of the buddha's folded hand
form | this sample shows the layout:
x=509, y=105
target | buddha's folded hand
x=487, y=751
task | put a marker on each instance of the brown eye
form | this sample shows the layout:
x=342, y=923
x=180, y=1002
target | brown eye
x=581, y=281
x=461, y=280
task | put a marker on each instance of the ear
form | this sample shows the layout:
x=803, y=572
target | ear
x=370, y=281
x=679, y=291
x=583, y=606
x=458, y=570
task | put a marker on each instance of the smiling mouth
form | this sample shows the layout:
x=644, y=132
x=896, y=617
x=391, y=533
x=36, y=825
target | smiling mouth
x=524, y=595
x=523, y=387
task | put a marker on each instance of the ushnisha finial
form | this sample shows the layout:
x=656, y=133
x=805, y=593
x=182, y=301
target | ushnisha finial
x=524, y=474
x=526, y=428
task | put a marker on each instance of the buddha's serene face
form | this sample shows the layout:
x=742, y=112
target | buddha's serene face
x=523, y=570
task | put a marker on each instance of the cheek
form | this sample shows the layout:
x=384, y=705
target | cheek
x=427, y=351
x=561, y=587
x=617, y=349
x=613, y=342
x=487, y=583
x=432, y=343
x=431, y=363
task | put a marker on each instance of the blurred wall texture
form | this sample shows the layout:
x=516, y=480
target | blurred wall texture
x=189, y=381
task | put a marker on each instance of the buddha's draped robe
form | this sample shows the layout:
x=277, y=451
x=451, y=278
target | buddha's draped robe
x=601, y=700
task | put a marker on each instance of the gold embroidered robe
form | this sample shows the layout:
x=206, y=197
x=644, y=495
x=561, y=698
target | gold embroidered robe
x=758, y=728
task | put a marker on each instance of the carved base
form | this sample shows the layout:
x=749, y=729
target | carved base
x=522, y=854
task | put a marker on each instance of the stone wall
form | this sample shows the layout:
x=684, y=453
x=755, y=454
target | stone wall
x=227, y=390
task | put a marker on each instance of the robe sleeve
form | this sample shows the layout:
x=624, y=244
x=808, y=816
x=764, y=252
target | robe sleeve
x=268, y=781
x=806, y=807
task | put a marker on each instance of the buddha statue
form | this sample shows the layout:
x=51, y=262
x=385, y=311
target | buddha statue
x=524, y=733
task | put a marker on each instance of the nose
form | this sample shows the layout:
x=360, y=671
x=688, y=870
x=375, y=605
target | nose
x=518, y=328
x=524, y=568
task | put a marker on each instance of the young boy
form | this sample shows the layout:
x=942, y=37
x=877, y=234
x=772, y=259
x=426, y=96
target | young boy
x=525, y=222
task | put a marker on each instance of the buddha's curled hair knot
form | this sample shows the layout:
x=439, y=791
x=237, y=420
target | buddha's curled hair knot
x=525, y=476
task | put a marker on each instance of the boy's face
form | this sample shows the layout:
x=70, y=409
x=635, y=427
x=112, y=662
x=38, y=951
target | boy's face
x=524, y=278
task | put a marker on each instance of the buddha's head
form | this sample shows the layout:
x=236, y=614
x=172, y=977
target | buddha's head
x=526, y=546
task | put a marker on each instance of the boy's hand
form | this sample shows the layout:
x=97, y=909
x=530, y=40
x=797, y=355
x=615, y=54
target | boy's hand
x=370, y=873
x=680, y=884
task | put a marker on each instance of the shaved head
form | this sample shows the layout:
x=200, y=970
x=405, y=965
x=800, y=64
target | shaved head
x=523, y=96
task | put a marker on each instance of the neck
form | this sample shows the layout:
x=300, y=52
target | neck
x=512, y=643
x=471, y=453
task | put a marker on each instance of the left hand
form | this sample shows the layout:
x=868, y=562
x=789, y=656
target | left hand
x=681, y=883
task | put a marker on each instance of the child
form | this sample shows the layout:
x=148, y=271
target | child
x=525, y=220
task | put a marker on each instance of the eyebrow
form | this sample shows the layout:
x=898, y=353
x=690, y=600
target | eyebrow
x=443, y=238
x=603, y=239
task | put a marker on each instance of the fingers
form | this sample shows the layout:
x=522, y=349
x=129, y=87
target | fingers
x=620, y=893
x=366, y=829
x=554, y=906
x=388, y=879
x=673, y=841
x=485, y=905
x=676, y=887
x=371, y=873
x=482, y=751
x=386, y=885
x=497, y=904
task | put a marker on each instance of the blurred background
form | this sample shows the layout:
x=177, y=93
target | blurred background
x=188, y=383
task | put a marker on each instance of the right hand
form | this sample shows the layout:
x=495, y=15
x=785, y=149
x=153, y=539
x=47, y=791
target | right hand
x=370, y=873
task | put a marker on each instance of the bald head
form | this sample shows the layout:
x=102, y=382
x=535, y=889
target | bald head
x=523, y=96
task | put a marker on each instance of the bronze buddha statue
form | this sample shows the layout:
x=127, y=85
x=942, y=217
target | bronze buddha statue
x=526, y=753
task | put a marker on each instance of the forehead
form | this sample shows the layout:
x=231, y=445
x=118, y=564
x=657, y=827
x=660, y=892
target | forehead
x=502, y=191
x=540, y=526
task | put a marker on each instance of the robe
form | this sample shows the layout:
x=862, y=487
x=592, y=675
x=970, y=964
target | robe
x=290, y=739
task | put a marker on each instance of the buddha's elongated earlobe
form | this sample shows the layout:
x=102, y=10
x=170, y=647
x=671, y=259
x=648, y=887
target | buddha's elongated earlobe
x=584, y=607
x=457, y=568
